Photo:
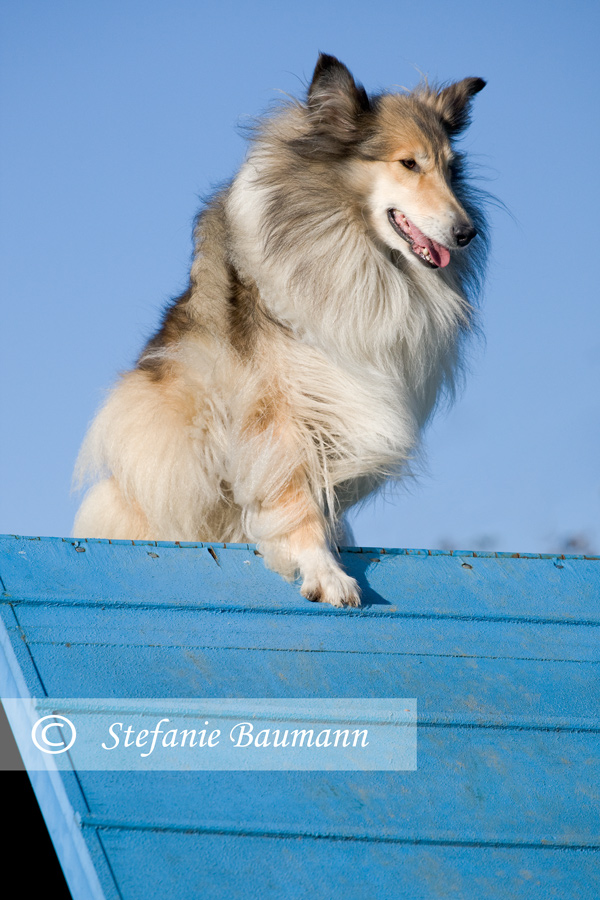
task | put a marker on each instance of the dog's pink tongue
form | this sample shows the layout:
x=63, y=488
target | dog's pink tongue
x=440, y=255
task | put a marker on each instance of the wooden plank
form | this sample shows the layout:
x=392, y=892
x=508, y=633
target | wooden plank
x=449, y=689
x=59, y=795
x=468, y=788
x=239, y=630
x=188, y=866
x=540, y=589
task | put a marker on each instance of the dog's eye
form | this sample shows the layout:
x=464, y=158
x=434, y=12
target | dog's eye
x=409, y=163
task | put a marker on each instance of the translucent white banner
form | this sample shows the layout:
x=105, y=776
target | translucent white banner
x=216, y=734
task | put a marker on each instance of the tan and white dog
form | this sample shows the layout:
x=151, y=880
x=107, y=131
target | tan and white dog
x=329, y=295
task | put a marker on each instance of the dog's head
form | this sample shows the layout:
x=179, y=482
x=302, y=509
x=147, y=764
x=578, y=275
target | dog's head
x=397, y=149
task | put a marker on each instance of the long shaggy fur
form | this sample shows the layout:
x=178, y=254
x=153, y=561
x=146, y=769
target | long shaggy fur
x=295, y=374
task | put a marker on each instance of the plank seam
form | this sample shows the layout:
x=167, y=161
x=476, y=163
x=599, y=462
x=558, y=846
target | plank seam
x=28, y=646
x=122, y=825
x=204, y=647
x=108, y=863
x=365, y=612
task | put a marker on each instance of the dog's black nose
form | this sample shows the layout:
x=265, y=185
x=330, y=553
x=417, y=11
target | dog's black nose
x=464, y=233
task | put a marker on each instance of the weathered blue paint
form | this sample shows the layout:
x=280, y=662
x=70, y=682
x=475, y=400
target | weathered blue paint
x=500, y=650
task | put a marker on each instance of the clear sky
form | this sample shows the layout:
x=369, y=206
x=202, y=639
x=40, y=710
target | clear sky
x=118, y=116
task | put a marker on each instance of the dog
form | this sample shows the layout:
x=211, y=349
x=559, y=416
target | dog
x=332, y=286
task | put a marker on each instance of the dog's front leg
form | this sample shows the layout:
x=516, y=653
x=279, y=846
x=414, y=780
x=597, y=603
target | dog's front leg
x=281, y=509
x=291, y=533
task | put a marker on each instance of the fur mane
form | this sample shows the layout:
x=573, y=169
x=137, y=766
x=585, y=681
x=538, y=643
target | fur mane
x=305, y=241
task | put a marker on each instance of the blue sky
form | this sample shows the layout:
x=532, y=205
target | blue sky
x=117, y=117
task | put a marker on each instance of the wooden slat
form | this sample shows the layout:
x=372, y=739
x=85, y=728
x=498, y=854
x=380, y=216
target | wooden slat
x=188, y=866
x=479, y=691
x=538, y=589
x=198, y=629
x=468, y=788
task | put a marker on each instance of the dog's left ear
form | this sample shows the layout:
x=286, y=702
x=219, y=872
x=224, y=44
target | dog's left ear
x=336, y=101
x=453, y=103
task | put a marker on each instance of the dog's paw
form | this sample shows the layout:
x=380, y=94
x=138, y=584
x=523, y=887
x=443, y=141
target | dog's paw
x=333, y=586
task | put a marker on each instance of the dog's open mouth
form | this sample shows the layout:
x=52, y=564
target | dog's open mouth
x=433, y=254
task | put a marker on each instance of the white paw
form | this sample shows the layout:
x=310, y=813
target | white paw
x=330, y=585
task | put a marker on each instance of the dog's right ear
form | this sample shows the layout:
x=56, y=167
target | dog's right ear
x=453, y=103
x=336, y=102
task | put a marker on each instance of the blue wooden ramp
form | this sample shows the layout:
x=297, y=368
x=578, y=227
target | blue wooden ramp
x=500, y=651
